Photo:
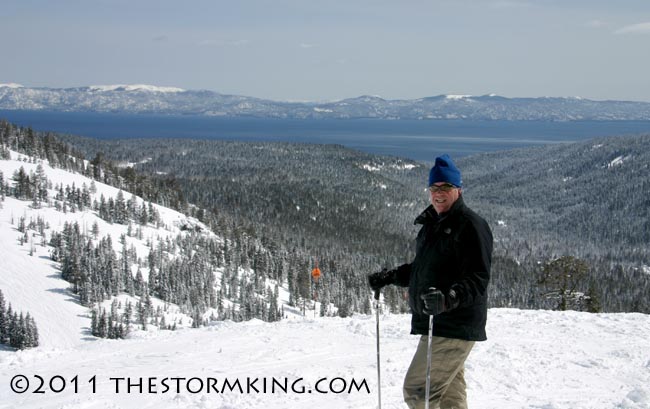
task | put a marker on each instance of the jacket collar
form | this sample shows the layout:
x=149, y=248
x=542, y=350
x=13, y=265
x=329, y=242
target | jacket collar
x=429, y=215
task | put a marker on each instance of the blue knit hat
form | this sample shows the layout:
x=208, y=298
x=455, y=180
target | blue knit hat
x=444, y=170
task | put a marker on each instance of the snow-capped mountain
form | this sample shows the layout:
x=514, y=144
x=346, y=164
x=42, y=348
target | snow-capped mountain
x=170, y=100
x=135, y=87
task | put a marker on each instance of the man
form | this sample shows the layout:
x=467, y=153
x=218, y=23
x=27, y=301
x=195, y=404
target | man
x=447, y=279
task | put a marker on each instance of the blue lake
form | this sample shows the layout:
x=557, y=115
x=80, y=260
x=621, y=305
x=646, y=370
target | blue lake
x=418, y=140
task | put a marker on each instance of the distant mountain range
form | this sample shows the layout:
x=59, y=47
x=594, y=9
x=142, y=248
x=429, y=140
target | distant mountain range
x=148, y=99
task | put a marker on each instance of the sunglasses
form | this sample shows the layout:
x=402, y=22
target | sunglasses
x=445, y=187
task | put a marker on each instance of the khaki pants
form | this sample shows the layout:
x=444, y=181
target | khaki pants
x=447, y=387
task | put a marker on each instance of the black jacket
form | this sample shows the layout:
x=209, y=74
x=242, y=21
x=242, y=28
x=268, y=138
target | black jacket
x=453, y=250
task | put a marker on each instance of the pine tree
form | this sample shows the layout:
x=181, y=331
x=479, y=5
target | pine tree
x=592, y=302
x=562, y=279
x=325, y=302
x=95, y=230
x=2, y=188
x=103, y=209
x=29, y=340
x=34, y=333
x=40, y=184
x=4, y=324
x=94, y=323
x=10, y=329
x=273, y=305
x=126, y=316
x=85, y=197
x=120, y=209
x=126, y=278
x=4, y=152
x=143, y=315
x=18, y=334
x=22, y=185
x=144, y=217
x=102, y=324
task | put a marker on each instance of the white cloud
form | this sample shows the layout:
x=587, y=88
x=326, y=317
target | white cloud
x=307, y=45
x=640, y=28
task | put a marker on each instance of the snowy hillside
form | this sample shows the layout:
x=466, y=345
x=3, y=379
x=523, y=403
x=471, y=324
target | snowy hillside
x=532, y=359
x=32, y=282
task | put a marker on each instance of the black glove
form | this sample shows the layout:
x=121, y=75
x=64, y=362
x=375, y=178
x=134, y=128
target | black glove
x=381, y=279
x=435, y=302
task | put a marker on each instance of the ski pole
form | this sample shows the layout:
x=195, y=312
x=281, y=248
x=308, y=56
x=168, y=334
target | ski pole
x=428, y=387
x=378, y=359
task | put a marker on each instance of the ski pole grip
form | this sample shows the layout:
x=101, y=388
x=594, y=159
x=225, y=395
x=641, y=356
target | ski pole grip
x=377, y=294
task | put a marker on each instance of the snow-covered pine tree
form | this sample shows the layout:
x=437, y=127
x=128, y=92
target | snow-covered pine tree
x=2, y=189
x=17, y=330
x=4, y=323
x=21, y=184
x=33, y=332
x=40, y=185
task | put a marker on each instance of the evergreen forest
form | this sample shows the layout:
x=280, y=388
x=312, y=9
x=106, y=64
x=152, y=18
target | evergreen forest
x=281, y=207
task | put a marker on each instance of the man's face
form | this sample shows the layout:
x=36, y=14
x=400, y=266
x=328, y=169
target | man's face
x=443, y=195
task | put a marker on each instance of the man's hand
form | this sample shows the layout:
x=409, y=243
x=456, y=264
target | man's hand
x=435, y=302
x=381, y=279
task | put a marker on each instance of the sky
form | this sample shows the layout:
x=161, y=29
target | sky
x=307, y=50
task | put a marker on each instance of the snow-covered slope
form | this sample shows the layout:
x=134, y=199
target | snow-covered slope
x=32, y=282
x=532, y=359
